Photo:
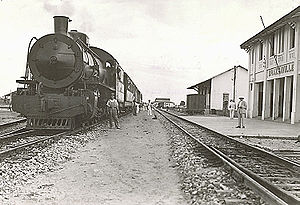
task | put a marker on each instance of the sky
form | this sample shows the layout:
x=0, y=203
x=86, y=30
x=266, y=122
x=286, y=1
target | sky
x=164, y=45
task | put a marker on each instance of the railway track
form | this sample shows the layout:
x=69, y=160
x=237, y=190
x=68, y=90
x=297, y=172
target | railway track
x=275, y=179
x=293, y=155
x=22, y=138
x=13, y=133
x=289, y=152
x=10, y=127
x=12, y=123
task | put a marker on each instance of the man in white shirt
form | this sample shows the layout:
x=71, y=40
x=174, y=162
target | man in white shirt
x=149, y=108
x=241, y=111
x=231, y=108
x=113, y=110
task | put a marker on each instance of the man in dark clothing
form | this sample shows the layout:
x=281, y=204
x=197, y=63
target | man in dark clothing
x=134, y=109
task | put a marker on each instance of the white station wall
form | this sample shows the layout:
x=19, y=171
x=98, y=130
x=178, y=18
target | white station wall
x=223, y=83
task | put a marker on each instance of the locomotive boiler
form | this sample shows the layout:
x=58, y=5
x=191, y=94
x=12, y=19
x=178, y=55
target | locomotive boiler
x=67, y=82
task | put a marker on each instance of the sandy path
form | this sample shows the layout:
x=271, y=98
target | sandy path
x=127, y=166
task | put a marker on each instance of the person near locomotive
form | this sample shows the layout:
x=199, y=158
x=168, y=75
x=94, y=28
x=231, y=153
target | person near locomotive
x=241, y=111
x=149, y=108
x=137, y=108
x=113, y=111
x=231, y=108
x=134, y=107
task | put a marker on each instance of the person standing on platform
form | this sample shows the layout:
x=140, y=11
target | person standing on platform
x=231, y=108
x=113, y=111
x=241, y=111
x=149, y=108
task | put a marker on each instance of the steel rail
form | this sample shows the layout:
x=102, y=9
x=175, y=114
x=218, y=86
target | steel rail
x=290, y=164
x=12, y=123
x=61, y=134
x=270, y=193
x=33, y=142
x=15, y=133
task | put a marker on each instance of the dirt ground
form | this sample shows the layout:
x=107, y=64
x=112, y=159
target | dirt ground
x=127, y=166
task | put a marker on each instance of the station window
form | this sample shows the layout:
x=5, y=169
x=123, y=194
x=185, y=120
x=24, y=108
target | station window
x=261, y=50
x=272, y=44
x=292, y=37
x=281, y=40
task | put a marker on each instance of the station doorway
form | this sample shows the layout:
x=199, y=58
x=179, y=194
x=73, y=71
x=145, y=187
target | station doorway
x=281, y=96
x=291, y=101
x=260, y=99
x=271, y=97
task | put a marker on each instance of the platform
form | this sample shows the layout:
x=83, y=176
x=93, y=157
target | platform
x=253, y=127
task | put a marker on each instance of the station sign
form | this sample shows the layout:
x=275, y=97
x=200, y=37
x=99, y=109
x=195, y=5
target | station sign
x=280, y=70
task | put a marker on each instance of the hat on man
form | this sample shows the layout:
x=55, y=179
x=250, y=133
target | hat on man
x=241, y=97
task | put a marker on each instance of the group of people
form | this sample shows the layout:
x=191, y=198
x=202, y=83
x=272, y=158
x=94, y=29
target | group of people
x=144, y=106
x=241, y=109
x=113, y=110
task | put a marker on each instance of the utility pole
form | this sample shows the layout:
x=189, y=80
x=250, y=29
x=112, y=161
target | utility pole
x=234, y=82
x=272, y=46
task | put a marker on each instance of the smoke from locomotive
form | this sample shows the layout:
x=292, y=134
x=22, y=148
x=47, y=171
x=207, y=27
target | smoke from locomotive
x=67, y=81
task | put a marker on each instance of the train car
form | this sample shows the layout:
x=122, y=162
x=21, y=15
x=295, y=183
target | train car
x=195, y=103
x=115, y=78
x=139, y=97
x=67, y=82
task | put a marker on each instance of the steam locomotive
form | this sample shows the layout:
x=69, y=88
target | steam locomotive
x=67, y=82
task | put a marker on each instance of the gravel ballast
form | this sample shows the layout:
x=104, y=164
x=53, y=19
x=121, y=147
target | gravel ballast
x=104, y=166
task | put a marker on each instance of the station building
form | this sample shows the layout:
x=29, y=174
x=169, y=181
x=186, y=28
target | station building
x=163, y=102
x=274, y=68
x=220, y=89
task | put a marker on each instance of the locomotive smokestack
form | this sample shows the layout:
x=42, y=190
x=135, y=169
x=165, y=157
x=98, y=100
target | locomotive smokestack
x=61, y=24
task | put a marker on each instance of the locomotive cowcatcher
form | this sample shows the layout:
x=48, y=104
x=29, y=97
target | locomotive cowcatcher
x=67, y=82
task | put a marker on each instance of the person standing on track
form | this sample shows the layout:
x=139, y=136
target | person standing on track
x=113, y=111
x=241, y=111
